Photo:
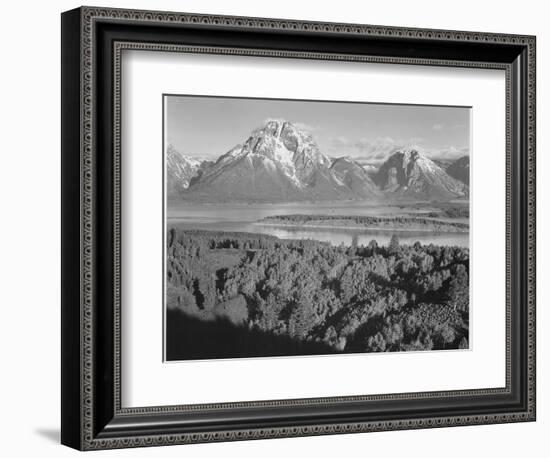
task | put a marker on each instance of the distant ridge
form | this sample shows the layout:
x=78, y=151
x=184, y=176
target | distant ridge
x=280, y=162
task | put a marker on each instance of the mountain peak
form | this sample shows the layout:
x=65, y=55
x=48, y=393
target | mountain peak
x=409, y=173
x=292, y=136
x=180, y=170
x=172, y=154
x=279, y=161
x=408, y=154
x=286, y=144
x=278, y=128
x=408, y=157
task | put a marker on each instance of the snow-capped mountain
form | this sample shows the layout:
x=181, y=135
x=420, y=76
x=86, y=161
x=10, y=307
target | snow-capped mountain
x=409, y=174
x=180, y=170
x=278, y=162
x=460, y=169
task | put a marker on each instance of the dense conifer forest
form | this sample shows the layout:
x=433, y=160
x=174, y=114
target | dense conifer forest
x=243, y=295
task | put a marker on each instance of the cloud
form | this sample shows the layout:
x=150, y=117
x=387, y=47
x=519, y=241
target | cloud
x=340, y=141
x=363, y=145
x=306, y=127
x=450, y=153
x=370, y=150
x=376, y=150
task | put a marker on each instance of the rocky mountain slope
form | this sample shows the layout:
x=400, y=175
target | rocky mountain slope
x=355, y=177
x=460, y=169
x=409, y=174
x=280, y=162
x=277, y=163
x=180, y=170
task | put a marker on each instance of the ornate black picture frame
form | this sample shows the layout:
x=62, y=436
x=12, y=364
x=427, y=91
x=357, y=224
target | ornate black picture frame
x=92, y=42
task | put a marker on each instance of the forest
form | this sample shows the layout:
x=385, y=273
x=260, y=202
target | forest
x=409, y=223
x=243, y=295
x=451, y=212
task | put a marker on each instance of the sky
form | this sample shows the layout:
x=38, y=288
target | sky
x=208, y=127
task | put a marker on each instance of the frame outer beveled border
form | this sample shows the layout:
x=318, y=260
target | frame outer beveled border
x=88, y=16
x=132, y=46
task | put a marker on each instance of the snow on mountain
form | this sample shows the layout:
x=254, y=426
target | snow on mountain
x=369, y=168
x=409, y=174
x=278, y=162
x=180, y=170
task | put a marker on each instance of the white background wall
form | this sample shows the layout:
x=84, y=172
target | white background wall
x=30, y=240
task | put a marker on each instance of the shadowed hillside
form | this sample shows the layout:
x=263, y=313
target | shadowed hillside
x=190, y=338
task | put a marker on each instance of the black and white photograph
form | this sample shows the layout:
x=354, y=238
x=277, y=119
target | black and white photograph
x=298, y=227
x=266, y=227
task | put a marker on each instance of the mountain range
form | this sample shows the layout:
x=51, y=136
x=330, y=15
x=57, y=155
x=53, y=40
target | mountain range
x=280, y=162
x=409, y=174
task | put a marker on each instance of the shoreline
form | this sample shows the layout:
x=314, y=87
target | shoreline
x=357, y=228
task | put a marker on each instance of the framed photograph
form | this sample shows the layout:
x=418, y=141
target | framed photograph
x=276, y=228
